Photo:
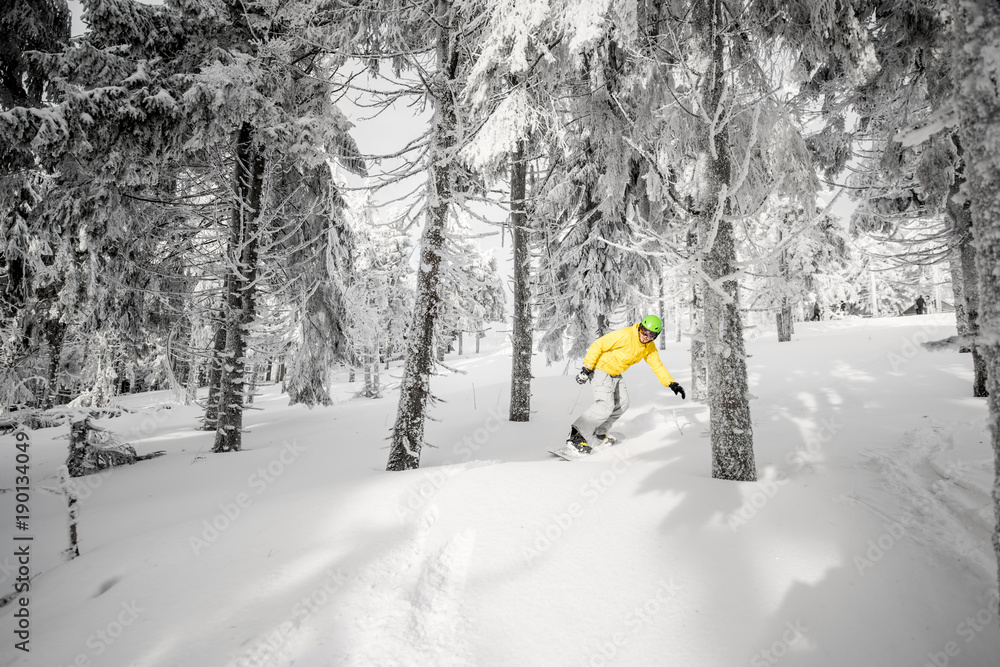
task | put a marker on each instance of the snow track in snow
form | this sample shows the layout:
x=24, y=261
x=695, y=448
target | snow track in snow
x=408, y=603
x=944, y=499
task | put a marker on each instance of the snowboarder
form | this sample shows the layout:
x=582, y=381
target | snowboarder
x=606, y=359
x=920, y=304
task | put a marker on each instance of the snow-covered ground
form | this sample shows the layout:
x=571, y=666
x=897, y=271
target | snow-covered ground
x=865, y=542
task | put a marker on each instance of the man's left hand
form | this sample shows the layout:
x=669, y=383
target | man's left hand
x=677, y=389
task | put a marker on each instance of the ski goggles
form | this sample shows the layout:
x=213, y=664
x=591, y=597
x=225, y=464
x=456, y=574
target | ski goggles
x=651, y=335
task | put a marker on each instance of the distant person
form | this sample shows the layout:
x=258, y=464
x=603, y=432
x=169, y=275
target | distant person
x=817, y=313
x=607, y=358
x=921, y=305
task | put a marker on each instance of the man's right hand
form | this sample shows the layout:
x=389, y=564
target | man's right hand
x=584, y=375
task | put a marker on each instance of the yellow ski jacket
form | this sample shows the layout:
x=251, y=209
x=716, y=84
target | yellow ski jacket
x=616, y=352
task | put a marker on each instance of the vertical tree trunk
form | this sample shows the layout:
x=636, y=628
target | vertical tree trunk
x=961, y=215
x=69, y=491
x=414, y=392
x=55, y=336
x=194, y=370
x=678, y=309
x=873, y=291
x=520, y=378
x=248, y=182
x=728, y=395
x=699, y=366
x=251, y=388
x=372, y=388
x=661, y=305
x=958, y=288
x=215, y=376
x=784, y=315
x=977, y=100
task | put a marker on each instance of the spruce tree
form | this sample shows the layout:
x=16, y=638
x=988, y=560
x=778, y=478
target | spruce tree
x=977, y=106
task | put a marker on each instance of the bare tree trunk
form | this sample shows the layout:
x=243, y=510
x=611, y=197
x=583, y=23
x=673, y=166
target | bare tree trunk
x=520, y=379
x=958, y=288
x=251, y=389
x=678, y=309
x=414, y=392
x=962, y=219
x=215, y=377
x=194, y=370
x=728, y=395
x=977, y=101
x=784, y=315
x=69, y=491
x=55, y=336
x=699, y=366
x=873, y=293
x=240, y=289
x=372, y=386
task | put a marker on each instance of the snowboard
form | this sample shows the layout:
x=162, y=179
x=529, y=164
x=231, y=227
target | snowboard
x=569, y=454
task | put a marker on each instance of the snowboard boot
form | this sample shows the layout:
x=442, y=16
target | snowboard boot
x=577, y=441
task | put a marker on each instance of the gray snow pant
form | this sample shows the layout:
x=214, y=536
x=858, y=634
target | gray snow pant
x=610, y=402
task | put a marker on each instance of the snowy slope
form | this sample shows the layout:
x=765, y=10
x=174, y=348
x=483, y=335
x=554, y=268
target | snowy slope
x=865, y=542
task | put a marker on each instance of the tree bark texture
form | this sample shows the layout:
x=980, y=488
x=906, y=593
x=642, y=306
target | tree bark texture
x=784, y=315
x=977, y=100
x=414, y=394
x=55, y=336
x=248, y=182
x=961, y=215
x=211, y=422
x=728, y=395
x=958, y=289
x=699, y=366
x=520, y=378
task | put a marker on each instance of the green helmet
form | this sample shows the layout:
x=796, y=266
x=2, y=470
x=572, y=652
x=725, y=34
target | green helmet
x=652, y=323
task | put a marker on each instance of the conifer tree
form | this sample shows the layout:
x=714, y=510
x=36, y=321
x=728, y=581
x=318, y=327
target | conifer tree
x=169, y=106
x=444, y=182
x=976, y=72
x=29, y=286
x=911, y=172
x=378, y=294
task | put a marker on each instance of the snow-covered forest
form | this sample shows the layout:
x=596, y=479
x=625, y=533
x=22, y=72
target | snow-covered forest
x=347, y=215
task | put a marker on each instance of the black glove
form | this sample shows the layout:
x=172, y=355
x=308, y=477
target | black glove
x=584, y=375
x=677, y=389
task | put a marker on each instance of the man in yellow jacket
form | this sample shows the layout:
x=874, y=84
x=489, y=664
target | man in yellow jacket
x=607, y=358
